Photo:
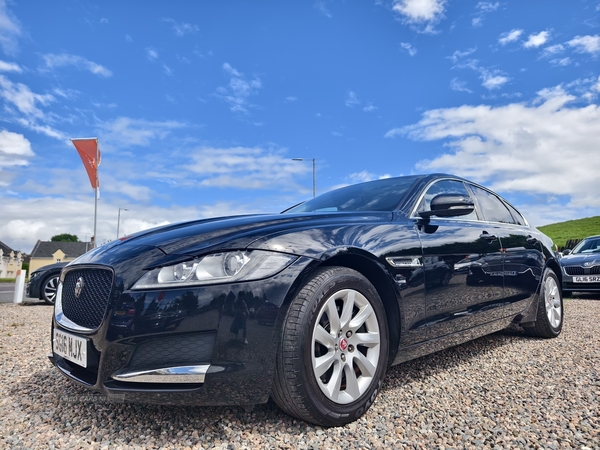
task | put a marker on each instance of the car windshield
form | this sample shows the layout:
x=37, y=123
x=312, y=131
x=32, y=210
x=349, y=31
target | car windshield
x=588, y=246
x=379, y=195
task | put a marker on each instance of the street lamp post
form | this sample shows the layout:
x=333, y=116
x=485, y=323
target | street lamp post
x=314, y=164
x=119, y=220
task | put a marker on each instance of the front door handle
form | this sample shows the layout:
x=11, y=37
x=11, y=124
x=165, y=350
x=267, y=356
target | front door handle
x=487, y=236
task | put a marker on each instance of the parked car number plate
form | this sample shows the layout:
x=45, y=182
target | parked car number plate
x=70, y=347
x=587, y=279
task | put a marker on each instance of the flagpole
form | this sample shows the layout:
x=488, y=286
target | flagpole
x=96, y=193
x=89, y=152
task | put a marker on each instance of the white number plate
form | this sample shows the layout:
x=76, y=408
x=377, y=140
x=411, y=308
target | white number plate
x=70, y=347
x=587, y=279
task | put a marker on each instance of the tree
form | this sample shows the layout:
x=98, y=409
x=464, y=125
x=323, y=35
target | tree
x=64, y=238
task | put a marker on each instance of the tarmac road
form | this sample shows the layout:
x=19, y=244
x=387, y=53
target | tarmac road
x=7, y=292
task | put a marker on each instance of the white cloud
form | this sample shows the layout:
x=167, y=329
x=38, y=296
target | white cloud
x=483, y=8
x=585, y=44
x=10, y=67
x=20, y=96
x=10, y=30
x=182, y=28
x=424, y=13
x=492, y=81
x=52, y=61
x=459, y=86
x=537, y=40
x=135, y=192
x=27, y=220
x=291, y=99
x=239, y=90
x=322, y=8
x=553, y=50
x=370, y=107
x=361, y=177
x=151, y=54
x=125, y=132
x=509, y=36
x=458, y=55
x=544, y=147
x=412, y=51
x=352, y=100
x=561, y=61
x=247, y=168
x=15, y=149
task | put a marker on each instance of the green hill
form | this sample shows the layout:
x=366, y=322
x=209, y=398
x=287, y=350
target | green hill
x=571, y=229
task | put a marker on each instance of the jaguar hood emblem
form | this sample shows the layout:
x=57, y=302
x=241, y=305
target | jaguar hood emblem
x=79, y=287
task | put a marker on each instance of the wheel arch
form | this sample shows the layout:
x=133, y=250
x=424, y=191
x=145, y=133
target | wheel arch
x=555, y=266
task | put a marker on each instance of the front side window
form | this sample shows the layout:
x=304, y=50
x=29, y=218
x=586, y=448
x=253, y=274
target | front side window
x=445, y=187
x=493, y=208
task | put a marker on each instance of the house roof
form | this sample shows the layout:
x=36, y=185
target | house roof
x=45, y=249
x=6, y=249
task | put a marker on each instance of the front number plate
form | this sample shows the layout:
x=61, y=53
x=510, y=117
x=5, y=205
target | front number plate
x=70, y=347
x=587, y=279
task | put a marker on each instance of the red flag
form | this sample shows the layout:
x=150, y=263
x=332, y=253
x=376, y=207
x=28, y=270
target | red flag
x=88, y=149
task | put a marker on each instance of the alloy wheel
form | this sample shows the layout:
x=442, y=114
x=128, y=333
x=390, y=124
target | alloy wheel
x=345, y=346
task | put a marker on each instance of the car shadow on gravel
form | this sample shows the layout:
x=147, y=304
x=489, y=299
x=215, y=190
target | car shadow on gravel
x=72, y=410
x=464, y=354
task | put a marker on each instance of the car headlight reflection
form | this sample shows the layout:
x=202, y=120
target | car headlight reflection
x=217, y=268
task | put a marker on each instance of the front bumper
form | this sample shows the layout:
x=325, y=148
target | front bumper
x=569, y=283
x=176, y=346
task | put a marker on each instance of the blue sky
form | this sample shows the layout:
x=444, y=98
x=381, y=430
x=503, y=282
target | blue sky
x=201, y=106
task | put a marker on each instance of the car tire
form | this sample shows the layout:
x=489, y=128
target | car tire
x=49, y=287
x=550, y=311
x=333, y=352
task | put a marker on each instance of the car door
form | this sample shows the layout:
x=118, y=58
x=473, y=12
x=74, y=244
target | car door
x=462, y=265
x=523, y=259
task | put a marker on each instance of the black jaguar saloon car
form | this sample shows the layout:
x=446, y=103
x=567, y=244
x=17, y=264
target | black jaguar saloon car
x=43, y=282
x=355, y=280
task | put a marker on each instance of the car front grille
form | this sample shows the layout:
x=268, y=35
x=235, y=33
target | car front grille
x=578, y=270
x=88, y=309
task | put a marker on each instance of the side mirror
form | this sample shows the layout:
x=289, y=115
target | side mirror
x=566, y=252
x=449, y=205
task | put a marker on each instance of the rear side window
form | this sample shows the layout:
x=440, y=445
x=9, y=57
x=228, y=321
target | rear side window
x=516, y=215
x=493, y=209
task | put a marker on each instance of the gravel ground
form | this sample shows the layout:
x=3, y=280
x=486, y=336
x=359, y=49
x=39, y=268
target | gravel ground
x=501, y=391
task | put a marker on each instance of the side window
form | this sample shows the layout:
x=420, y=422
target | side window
x=516, y=215
x=445, y=187
x=493, y=208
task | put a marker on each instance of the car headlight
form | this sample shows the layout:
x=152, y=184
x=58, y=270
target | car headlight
x=217, y=268
x=33, y=275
